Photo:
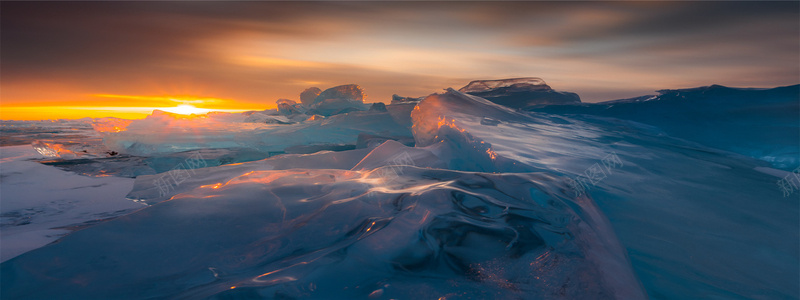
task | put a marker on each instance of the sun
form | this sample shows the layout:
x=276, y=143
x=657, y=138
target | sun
x=186, y=109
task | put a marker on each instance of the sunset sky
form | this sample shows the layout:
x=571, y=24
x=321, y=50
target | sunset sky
x=123, y=59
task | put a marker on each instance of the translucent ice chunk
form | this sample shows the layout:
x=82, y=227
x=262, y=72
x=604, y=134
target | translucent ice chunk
x=289, y=107
x=425, y=233
x=163, y=133
x=677, y=206
x=70, y=149
x=307, y=97
x=336, y=106
x=349, y=92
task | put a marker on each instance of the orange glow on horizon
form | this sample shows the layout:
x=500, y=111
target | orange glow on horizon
x=186, y=105
x=187, y=109
x=30, y=113
x=167, y=99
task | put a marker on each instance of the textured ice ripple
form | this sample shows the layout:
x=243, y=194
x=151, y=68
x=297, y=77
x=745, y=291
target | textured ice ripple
x=296, y=233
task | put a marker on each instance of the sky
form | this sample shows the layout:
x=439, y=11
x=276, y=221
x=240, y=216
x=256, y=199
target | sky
x=123, y=59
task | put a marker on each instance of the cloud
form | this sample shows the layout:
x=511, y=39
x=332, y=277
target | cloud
x=257, y=52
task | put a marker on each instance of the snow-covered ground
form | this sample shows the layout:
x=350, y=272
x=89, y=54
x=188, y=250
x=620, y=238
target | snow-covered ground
x=39, y=203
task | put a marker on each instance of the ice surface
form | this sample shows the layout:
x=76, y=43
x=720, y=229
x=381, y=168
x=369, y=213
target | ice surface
x=162, y=133
x=487, y=201
x=152, y=189
x=426, y=233
x=130, y=166
x=67, y=139
x=267, y=119
x=24, y=132
x=389, y=217
x=85, y=148
x=372, y=141
x=41, y=203
x=696, y=221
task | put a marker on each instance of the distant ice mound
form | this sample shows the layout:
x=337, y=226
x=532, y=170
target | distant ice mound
x=519, y=92
x=351, y=92
x=526, y=84
x=338, y=100
x=289, y=107
x=760, y=123
x=397, y=99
